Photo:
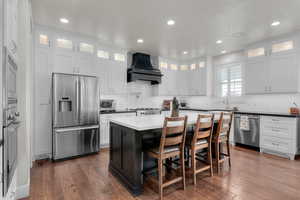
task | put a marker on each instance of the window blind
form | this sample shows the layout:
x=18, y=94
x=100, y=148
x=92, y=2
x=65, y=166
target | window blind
x=229, y=80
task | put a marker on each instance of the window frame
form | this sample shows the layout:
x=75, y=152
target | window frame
x=42, y=44
x=119, y=60
x=87, y=44
x=218, y=84
x=282, y=51
x=63, y=48
x=256, y=48
x=105, y=52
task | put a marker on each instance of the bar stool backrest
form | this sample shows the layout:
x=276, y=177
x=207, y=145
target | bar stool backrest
x=173, y=133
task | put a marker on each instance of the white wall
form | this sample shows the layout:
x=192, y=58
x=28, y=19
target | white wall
x=24, y=96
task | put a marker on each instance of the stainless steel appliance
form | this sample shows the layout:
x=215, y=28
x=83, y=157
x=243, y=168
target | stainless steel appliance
x=147, y=111
x=10, y=120
x=75, y=115
x=107, y=105
x=247, y=137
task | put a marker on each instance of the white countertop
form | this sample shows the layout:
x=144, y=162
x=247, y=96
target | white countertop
x=142, y=123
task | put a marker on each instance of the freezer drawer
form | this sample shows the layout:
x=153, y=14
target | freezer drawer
x=70, y=142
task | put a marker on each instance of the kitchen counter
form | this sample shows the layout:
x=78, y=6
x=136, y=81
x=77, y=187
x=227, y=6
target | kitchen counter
x=143, y=123
x=207, y=109
x=129, y=137
x=265, y=113
x=275, y=114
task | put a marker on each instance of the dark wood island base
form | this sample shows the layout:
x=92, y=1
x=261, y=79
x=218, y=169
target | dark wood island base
x=127, y=161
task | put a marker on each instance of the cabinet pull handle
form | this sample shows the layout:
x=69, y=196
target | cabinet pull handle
x=275, y=120
x=14, y=47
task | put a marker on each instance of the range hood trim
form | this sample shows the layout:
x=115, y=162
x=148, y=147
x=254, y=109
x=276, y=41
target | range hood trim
x=147, y=73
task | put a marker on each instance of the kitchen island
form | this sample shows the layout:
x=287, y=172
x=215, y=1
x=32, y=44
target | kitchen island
x=129, y=138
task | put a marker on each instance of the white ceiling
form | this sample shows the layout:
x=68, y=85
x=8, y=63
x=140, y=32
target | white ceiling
x=199, y=23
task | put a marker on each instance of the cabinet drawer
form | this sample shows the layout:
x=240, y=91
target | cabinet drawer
x=278, y=120
x=275, y=144
x=282, y=131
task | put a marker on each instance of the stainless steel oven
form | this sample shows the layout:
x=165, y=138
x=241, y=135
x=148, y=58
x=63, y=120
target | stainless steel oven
x=10, y=120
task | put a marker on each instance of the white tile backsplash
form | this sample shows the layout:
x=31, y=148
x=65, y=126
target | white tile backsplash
x=269, y=103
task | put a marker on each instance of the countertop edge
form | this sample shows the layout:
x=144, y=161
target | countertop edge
x=246, y=112
x=117, y=112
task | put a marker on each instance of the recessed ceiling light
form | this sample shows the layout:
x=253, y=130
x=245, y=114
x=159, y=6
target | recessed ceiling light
x=171, y=22
x=140, y=41
x=275, y=23
x=185, y=52
x=64, y=20
x=223, y=51
x=219, y=41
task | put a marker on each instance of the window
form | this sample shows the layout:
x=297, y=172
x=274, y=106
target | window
x=229, y=80
x=184, y=67
x=63, y=43
x=201, y=64
x=103, y=54
x=174, y=67
x=87, y=48
x=283, y=46
x=256, y=52
x=44, y=40
x=193, y=66
x=119, y=57
x=163, y=65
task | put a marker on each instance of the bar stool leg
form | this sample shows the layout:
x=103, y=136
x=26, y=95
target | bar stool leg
x=183, y=168
x=218, y=156
x=210, y=160
x=194, y=166
x=160, y=178
x=228, y=152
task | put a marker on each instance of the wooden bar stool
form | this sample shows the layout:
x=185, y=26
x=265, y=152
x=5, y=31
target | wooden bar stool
x=171, y=144
x=222, y=137
x=201, y=139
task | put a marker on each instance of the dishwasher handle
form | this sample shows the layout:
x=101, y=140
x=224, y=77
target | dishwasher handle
x=249, y=116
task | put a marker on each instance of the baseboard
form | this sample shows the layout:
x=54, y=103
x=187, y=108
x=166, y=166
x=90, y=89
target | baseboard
x=23, y=191
x=43, y=156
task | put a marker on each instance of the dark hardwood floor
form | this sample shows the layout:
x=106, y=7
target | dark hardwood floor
x=253, y=176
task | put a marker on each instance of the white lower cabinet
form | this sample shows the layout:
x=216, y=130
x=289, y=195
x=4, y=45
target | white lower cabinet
x=104, y=126
x=12, y=190
x=279, y=135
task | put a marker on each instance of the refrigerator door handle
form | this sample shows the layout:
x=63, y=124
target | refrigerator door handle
x=77, y=89
x=81, y=84
x=62, y=130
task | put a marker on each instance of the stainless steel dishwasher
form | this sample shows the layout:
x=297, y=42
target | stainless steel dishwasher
x=247, y=137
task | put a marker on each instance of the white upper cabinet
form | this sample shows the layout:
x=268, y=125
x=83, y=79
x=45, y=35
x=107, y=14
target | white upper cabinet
x=283, y=73
x=112, y=75
x=272, y=70
x=256, y=75
x=85, y=65
x=64, y=62
x=11, y=26
x=182, y=80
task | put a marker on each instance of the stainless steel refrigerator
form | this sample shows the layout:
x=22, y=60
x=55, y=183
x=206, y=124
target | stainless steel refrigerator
x=75, y=119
